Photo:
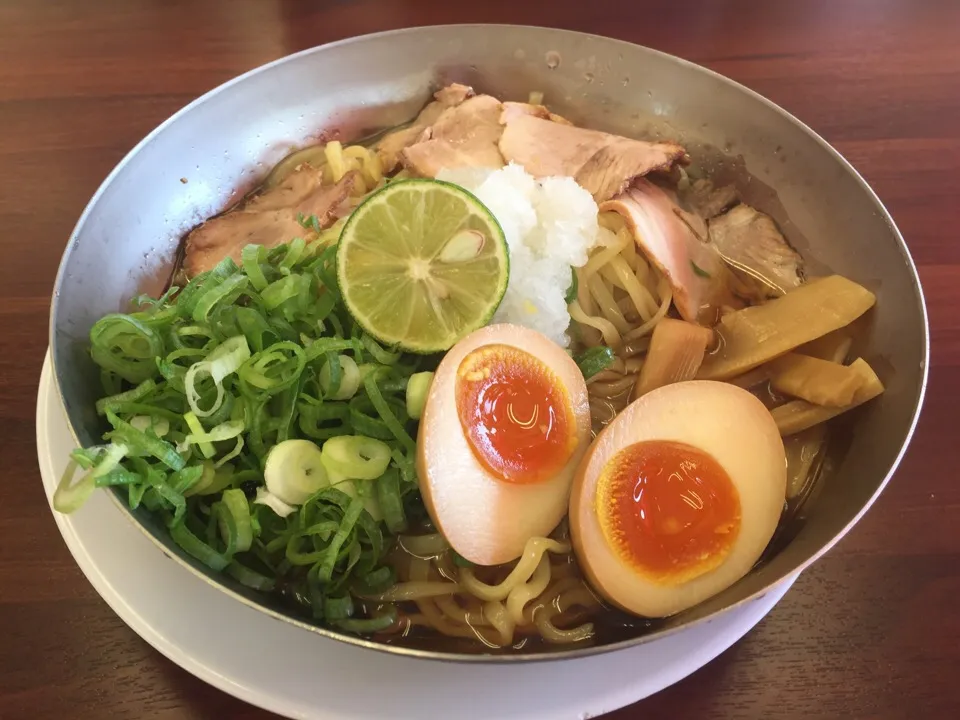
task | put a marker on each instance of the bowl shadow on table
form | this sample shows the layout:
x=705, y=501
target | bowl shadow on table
x=195, y=698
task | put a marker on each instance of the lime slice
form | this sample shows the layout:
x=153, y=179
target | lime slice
x=421, y=263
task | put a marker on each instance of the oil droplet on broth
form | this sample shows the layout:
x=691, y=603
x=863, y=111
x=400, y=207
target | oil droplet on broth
x=552, y=59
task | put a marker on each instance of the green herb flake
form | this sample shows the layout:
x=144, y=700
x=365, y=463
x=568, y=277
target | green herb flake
x=699, y=270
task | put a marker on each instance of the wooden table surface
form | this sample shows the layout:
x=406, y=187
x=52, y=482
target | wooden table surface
x=872, y=630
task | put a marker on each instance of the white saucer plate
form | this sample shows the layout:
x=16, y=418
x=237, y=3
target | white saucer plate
x=295, y=673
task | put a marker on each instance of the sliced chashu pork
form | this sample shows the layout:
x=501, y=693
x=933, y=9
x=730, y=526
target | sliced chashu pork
x=392, y=144
x=707, y=200
x=601, y=163
x=463, y=136
x=513, y=110
x=269, y=219
x=294, y=189
x=694, y=269
x=468, y=135
x=750, y=241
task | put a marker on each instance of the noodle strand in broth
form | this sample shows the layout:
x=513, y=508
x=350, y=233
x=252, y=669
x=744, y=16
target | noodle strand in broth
x=453, y=601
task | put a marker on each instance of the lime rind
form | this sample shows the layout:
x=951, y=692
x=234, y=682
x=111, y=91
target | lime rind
x=374, y=275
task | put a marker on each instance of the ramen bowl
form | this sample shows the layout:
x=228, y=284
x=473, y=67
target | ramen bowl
x=206, y=156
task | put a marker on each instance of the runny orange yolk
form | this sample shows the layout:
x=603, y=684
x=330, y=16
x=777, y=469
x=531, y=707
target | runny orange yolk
x=515, y=414
x=668, y=509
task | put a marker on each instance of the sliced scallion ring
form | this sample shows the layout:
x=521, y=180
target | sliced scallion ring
x=294, y=471
x=349, y=378
x=356, y=457
x=417, y=388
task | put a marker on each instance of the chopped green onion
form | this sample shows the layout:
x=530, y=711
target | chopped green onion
x=228, y=357
x=224, y=360
x=295, y=470
x=153, y=306
x=222, y=478
x=356, y=457
x=267, y=498
x=143, y=443
x=251, y=257
x=234, y=520
x=595, y=360
x=255, y=328
x=197, y=430
x=308, y=222
x=384, y=357
x=110, y=459
x=237, y=449
x=183, y=480
x=225, y=293
x=322, y=346
x=370, y=625
x=573, y=288
x=699, y=270
x=347, y=377
x=159, y=426
x=202, y=283
x=344, y=531
x=405, y=463
x=391, y=504
x=117, y=476
x=386, y=414
x=251, y=578
x=203, y=439
x=195, y=547
x=205, y=482
x=292, y=256
x=324, y=305
x=417, y=388
x=323, y=420
x=203, y=388
x=331, y=374
x=190, y=382
x=366, y=421
x=338, y=608
x=272, y=370
x=137, y=393
x=125, y=346
x=279, y=291
x=185, y=334
x=170, y=498
x=376, y=582
x=69, y=495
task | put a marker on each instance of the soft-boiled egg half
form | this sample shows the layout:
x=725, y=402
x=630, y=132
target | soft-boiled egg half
x=678, y=497
x=506, y=423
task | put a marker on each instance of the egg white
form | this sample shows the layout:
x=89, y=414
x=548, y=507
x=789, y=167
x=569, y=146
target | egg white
x=720, y=419
x=486, y=520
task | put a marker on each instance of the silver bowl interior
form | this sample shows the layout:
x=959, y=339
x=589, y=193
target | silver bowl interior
x=203, y=158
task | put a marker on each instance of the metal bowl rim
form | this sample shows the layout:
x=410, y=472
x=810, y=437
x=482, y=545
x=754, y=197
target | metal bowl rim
x=480, y=657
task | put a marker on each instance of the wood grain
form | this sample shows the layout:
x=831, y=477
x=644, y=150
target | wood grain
x=872, y=630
